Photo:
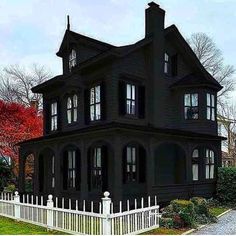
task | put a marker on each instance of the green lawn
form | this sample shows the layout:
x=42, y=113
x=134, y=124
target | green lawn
x=165, y=231
x=218, y=210
x=10, y=226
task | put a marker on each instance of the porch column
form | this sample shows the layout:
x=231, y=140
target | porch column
x=150, y=170
x=84, y=170
x=21, y=171
x=117, y=167
x=58, y=171
x=36, y=173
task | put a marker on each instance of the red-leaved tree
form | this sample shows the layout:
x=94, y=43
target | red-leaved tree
x=17, y=123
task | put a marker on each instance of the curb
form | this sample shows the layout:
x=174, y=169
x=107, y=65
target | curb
x=202, y=226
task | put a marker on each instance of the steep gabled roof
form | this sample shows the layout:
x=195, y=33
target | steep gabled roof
x=173, y=34
x=76, y=37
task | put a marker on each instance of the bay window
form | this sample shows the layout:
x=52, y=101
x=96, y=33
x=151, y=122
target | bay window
x=210, y=107
x=95, y=103
x=191, y=111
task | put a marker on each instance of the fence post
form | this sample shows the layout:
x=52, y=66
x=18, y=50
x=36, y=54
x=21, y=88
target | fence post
x=50, y=212
x=17, y=206
x=106, y=210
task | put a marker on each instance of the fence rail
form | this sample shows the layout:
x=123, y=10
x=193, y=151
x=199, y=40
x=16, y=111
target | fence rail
x=77, y=221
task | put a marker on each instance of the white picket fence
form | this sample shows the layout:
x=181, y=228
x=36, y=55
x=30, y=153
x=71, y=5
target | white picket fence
x=105, y=222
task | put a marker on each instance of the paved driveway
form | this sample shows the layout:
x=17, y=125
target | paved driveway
x=225, y=225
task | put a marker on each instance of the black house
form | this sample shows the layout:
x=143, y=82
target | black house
x=135, y=120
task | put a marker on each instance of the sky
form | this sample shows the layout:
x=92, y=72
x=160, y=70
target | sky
x=31, y=31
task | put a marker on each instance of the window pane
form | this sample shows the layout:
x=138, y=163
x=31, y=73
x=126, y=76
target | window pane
x=75, y=100
x=128, y=91
x=128, y=106
x=166, y=57
x=69, y=103
x=69, y=159
x=53, y=164
x=212, y=172
x=69, y=116
x=166, y=68
x=97, y=90
x=132, y=108
x=53, y=182
x=208, y=113
x=195, y=153
x=212, y=100
x=208, y=99
x=99, y=164
x=75, y=115
x=207, y=171
x=91, y=96
x=213, y=114
x=187, y=100
x=195, y=99
x=128, y=155
x=195, y=171
x=134, y=155
x=133, y=92
x=91, y=113
x=98, y=112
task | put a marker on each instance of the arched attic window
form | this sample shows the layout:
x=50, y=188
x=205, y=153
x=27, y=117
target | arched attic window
x=72, y=59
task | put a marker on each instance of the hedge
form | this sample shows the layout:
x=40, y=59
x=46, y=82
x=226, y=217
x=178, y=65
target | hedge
x=226, y=185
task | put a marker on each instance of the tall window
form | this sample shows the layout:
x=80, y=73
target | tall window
x=71, y=168
x=96, y=170
x=54, y=116
x=72, y=59
x=210, y=164
x=167, y=64
x=131, y=164
x=195, y=164
x=95, y=103
x=130, y=99
x=72, y=109
x=53, y=171
x=210, y=107
x=191, y=106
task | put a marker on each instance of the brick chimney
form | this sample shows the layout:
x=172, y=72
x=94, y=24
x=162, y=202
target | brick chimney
x=34, y=104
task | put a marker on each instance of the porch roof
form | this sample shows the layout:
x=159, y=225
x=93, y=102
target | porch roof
x=121, y=126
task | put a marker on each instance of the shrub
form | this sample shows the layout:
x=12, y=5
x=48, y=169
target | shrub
x=185, y=210
x=226, y=185
x=200, y=206
x=167, y=223
x=10, y=188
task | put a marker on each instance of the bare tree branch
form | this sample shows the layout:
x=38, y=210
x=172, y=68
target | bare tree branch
x=16, y=83
x=211, y=58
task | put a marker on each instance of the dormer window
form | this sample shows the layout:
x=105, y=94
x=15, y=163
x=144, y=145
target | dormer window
x=191, y=106
x=72, y=59
x=210, y=107
x=72, y=109
x=167, y=64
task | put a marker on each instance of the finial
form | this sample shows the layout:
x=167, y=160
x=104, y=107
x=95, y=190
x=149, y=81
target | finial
x=106, y=194
x=68, y=22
